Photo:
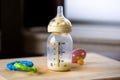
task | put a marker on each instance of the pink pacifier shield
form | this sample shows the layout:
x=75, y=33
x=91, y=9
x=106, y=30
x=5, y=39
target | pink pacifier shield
x=78, y=53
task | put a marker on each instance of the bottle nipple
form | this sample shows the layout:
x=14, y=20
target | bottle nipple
x=59, y=24
x=60, y=11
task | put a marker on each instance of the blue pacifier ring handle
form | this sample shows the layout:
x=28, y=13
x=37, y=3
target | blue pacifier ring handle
x=11, y=66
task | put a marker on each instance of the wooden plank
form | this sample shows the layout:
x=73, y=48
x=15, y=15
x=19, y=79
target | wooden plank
x=2, y=78
x=96, y=67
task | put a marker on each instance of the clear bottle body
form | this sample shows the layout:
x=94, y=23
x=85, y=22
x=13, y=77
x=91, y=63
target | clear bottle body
x=59, y=48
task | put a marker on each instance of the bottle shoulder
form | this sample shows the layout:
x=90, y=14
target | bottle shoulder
x=62, y=36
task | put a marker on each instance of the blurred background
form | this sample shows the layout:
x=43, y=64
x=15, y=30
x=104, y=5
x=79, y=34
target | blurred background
x=23, y=31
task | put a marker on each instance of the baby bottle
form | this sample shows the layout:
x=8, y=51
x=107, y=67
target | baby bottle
x=59, y=43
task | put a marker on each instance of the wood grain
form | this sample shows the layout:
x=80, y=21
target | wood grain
x=96, y=67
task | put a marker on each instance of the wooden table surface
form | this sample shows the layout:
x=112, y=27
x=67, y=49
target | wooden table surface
x=96, y=67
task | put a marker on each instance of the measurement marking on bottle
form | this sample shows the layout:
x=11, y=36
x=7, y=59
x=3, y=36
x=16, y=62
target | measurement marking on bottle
x=57, y=53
